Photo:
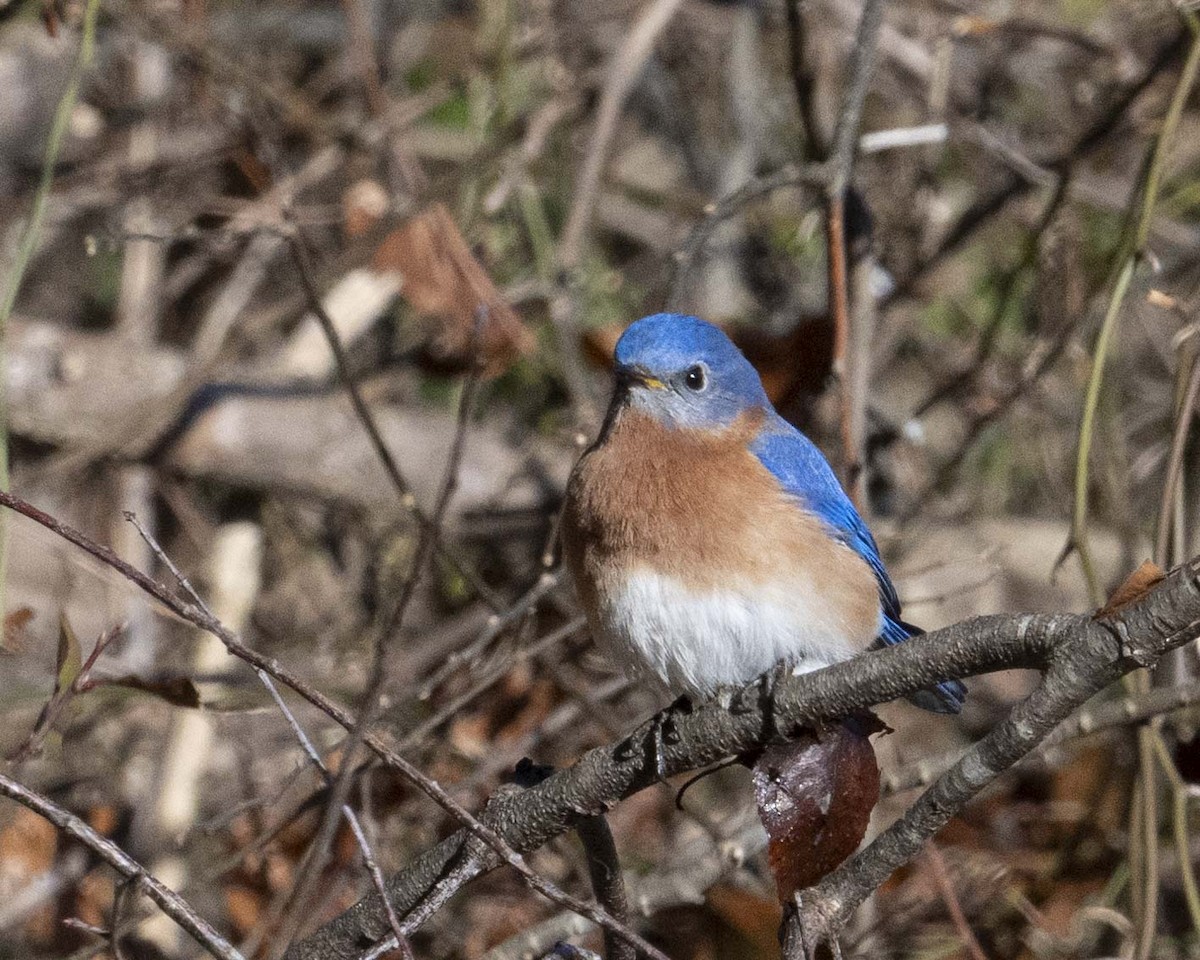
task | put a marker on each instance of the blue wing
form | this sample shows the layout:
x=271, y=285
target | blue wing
x=803, y=471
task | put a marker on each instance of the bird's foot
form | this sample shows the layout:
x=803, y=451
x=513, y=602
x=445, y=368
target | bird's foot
x=662, y=732
x=759, y=697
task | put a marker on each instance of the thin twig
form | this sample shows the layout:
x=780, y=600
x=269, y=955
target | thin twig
x=839, y=294
x=862, y=62
x=963, y=379
x=196, y=615
x=1183, y=848
x=426, y=727
x=1144, y=830
x=1184, y=417
x=173, y=905
x=496, y=624
x=841, y=171
x=304, y=268
x=372, y=699
x=877, y=141
x=306, y=744
x=804, y=83
x=1044, y=359
x=941, y=874
x=121, y=904
x=60, y=698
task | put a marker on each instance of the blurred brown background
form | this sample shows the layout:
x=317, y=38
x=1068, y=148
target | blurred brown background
x=163, y=356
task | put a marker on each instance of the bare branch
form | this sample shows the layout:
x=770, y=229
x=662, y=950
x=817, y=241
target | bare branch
x=607, y=883
x=804, y=83
x=1082, y=655
x=862, y=61
x=303, y=265
x=196, y=615
x=173, y=905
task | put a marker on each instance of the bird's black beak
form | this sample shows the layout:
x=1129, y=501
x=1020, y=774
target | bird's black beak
x=627, y=378
x=636, y=376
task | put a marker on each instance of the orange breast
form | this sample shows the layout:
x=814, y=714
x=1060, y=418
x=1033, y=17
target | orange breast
x=700, y=507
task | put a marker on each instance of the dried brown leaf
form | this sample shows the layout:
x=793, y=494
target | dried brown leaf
x=28, y=845
x=1136, y=585
x=815, y=795
x=445, y=282
x=12, y=640
x=754, y=917
x=244, y=907
x=94, y=898
x=103, y=819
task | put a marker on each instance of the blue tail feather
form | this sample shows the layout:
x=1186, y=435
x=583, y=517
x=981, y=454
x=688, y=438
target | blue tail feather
x=947, y=696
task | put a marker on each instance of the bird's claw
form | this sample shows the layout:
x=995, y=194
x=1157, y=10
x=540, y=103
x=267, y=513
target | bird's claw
x=763, y=692
x=663, y=731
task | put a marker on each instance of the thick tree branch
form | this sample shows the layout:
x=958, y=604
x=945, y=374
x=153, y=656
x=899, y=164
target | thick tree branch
x=1082, y=666
x=1081, y=656
x=197, y=615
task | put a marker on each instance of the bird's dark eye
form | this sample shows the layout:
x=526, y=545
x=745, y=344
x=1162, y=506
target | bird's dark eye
x=694, y=378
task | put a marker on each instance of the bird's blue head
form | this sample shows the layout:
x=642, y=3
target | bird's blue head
x=685, y=372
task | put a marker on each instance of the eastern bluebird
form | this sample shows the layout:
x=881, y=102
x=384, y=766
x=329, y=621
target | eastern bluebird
x=708, y=539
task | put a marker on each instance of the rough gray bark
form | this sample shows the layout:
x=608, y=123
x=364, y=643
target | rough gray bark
x=1080, y=656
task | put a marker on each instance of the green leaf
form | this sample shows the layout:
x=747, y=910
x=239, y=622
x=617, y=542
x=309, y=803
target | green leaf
x=177, y=691
x=51, y=748
x=236, y=699
x=70, y=657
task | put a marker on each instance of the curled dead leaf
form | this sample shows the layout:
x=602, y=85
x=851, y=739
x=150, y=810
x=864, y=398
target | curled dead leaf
x=446, y=283
x=815, y=795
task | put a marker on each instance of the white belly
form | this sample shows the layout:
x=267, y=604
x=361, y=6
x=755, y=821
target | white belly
x=653, y=627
